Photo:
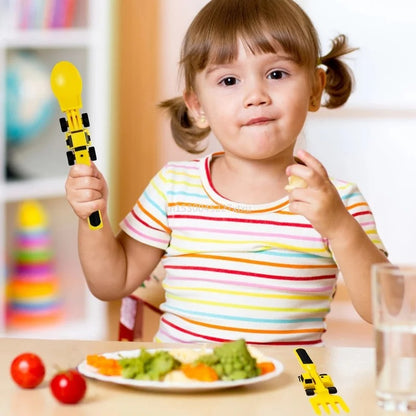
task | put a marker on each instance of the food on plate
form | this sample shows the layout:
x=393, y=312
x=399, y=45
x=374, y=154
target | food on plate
x=226, y=362
x=148, y=366
x=68, y=386
x=178, y=376
x=27, y=370
x=188, y=355
x=295, y=182
x=104, y=365
x=199, y=371
x=232, y=361
x=265, y=367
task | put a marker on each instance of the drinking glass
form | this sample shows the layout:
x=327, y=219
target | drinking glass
x=394, y=316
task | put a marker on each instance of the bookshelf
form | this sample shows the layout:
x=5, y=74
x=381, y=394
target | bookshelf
x=50, y=31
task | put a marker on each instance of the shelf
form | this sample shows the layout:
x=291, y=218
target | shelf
x=75, y=329
x=51, y=38
x=37, y=168
x=14, y=191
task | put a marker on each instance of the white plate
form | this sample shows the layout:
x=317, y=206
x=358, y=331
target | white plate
x=171, y=386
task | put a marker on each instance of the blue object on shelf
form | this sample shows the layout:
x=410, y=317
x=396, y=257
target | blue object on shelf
x=29, y=100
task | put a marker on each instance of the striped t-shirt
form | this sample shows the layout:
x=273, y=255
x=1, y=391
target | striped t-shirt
x=235, y=270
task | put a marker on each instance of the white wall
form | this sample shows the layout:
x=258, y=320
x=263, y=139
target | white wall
x=372, y=140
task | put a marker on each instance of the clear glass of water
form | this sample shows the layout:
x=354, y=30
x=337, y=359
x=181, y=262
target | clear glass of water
x=394, y=316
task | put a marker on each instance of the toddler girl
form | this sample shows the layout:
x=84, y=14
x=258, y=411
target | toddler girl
x=245, y=256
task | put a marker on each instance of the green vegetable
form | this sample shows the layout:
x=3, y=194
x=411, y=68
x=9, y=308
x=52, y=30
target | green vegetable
x=232, y=361
x=148, y=366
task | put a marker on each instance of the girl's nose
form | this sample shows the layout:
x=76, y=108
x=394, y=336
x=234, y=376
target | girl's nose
x=256, y=94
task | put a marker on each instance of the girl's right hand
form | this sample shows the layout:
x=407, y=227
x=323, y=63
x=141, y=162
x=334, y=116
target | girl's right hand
x=86, y=190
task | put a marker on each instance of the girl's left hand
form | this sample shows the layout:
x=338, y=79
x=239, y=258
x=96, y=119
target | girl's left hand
x=319, y=202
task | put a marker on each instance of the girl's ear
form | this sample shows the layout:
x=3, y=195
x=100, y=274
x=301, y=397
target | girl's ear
x=195, y=110
x=317, y=89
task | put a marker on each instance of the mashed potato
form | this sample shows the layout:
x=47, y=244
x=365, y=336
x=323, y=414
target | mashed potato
x=255, y=353
x=188, y=355
x=177, y=376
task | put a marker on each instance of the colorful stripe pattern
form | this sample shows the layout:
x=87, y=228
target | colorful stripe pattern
x=234, y=270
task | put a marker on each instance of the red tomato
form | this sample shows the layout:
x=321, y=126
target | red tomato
x=27, y=370
x=68, y=386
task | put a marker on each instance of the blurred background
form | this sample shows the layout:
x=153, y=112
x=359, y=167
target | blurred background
x=127, y=53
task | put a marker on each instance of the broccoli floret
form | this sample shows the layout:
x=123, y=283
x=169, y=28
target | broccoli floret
x=161, y=364
x=232, y=361
x=148, y=366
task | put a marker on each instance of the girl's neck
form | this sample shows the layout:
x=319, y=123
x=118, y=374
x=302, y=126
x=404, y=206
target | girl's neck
x=250, y=181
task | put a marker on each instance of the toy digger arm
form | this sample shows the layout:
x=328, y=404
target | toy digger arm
x=310, y=369
x=66, y=84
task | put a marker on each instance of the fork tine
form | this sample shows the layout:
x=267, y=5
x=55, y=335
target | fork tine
x=315, y=407
x=343, y=404
x=326, y=408
x=328, y=402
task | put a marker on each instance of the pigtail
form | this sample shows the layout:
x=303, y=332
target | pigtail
x=187, y=134
x=339, y=78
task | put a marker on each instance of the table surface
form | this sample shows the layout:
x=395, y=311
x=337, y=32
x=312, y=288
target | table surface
x=352, y=370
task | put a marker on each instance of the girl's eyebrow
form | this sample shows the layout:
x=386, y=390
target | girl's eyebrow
x=212, y=68
x=274, y=58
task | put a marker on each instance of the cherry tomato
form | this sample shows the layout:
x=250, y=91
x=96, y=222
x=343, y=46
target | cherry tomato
x=27, y=370
x=68, y=386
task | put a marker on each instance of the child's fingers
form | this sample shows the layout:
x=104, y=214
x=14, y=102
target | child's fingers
x=85, y=201
x=86, y=190
x=77, y=171
x=85, y=177
x=312, y=162
x=311, y=171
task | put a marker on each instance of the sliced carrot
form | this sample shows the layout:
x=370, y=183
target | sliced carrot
x=110, y=370
x=266, y=367
x=104, y=365
x=200, y=371
x=93, y=359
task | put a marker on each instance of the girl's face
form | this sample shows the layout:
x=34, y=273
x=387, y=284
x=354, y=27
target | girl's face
x=256, y=105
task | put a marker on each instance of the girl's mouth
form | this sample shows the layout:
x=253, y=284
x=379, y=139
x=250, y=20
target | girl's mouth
x=258, y=121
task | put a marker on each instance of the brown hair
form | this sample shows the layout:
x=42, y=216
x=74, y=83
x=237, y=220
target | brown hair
x=265, y=26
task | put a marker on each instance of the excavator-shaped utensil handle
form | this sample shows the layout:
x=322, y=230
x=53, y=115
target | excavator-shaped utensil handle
x=66, y=84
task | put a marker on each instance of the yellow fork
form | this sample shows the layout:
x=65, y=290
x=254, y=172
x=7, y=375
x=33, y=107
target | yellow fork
x=327, y=401
x=66, y=84
x=321, y=393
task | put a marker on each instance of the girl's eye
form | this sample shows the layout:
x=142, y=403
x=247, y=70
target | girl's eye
x=228, y=81
x=277, y=74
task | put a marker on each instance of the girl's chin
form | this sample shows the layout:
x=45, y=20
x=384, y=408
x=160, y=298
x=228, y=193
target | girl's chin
x=262, y=150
